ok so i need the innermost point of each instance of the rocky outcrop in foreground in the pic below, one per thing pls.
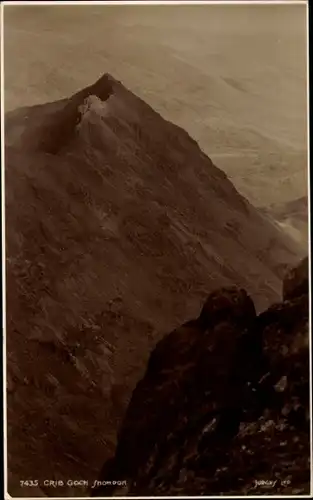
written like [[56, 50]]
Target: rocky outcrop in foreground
[[224, 403]]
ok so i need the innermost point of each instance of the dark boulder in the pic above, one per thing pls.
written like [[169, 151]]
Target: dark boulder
[[228, 304]]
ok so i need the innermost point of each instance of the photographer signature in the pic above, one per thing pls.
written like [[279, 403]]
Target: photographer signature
[[271, 483]]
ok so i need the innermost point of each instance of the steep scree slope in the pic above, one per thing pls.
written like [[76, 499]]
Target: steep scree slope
[[117, 227], [224, 403]]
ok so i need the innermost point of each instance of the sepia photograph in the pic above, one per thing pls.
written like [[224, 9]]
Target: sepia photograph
[[156, 249]]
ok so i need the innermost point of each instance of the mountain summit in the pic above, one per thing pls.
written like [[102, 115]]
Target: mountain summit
[[117, 228]]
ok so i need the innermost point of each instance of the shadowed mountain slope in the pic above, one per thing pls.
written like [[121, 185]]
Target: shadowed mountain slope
[[117, 228]]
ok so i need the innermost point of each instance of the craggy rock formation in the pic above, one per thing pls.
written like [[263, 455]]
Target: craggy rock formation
[[296, 281], [117, 228], [224, 403]]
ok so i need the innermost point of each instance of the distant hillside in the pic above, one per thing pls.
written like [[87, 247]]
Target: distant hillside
[[117, 228], [293, 218]]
